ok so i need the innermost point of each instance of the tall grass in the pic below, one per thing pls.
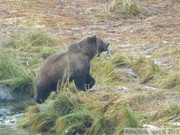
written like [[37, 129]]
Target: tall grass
[[106, 72], [77, 121], [80, 116], [15, 74], [31, 43], [107, 69], [20, 58]]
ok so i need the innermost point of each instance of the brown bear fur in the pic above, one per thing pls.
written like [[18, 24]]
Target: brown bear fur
[[71, 65]]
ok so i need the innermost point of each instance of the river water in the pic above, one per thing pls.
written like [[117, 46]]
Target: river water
[[9, 115], [12, 106], [12, 130]]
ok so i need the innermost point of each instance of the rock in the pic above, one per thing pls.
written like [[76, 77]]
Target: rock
[[159, 62], [178, 43], [125, 46], [4, 112], [176, 124], [152, 129], [131, 73], [10, 120], [165, 42], [108, 52], [151, 49], [5, 94], [121, 88], [17, 116], [150, 88]]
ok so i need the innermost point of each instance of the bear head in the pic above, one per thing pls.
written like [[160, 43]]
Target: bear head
[[102, 46], [90, 46]]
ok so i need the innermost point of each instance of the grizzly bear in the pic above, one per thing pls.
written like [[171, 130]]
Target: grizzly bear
[[72, 65]]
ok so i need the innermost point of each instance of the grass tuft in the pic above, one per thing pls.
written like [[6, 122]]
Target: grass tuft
[[106, 71], [127, 8], [146, 69], [121, 60], [77, 121], [66, 103], [171, 81], [10, 43], [132, 118], [39, 39], [170, 113]]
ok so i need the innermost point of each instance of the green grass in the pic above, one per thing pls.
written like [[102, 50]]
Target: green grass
[[121, 60], [31, 43], [14, 73], [106, 71], [78, 120], [21, 57], [39, 39], [63, 115]]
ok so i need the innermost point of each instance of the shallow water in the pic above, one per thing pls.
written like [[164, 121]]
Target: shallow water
[[7, 127], [12, 106], [12, 130]]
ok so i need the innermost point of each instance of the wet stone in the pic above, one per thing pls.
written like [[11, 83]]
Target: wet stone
[[151, 49], [10, 120], [131, 73], [125, 46], [4, 112], [4, 93], [178, 43]]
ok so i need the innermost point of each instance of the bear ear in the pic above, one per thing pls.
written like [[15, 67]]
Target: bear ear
[[92, 39]]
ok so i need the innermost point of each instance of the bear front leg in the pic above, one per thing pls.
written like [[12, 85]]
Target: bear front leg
[[41, 93], [89, 81], [40, 96], [80, 82]]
